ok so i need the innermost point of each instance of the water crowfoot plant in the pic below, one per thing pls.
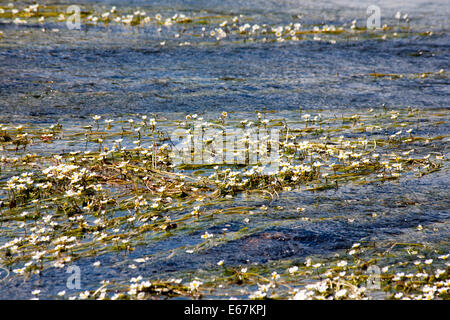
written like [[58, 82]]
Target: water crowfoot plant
[[63, 207]]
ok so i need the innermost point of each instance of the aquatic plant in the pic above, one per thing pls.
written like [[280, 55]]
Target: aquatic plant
[[117, 186]]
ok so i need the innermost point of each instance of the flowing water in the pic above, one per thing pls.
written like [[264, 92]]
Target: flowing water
[[51, 74]]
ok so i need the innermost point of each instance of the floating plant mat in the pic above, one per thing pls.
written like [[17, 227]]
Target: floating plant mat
[[229, 204], [192, 27]]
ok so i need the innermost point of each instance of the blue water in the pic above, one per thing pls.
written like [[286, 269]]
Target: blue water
[[114, 70]]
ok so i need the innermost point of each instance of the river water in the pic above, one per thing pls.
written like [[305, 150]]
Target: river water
[[115, 70]]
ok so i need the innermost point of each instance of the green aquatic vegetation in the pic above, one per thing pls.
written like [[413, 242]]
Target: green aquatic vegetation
[[215, 28], [423, 75], [120, 183], [395, 270]]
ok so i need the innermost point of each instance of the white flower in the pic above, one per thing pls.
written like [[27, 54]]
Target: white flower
[[342, 263], [301, 295], [84, 295], [341, 293], [258, 295], [207, 235], [439, 273], [293, 269], [194, 285]]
